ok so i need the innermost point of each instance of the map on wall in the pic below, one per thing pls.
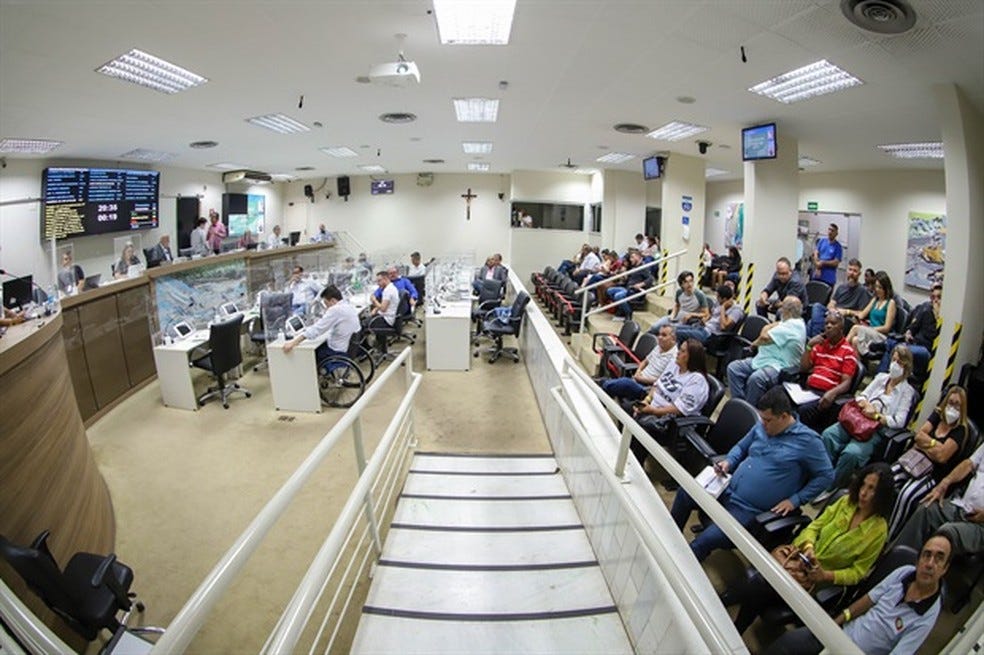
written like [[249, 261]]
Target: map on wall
[[193, 295], [925, 250]]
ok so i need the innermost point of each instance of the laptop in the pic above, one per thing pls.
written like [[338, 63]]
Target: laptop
[[92, 282]]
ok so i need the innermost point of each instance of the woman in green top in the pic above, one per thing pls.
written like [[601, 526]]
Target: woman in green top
[[841, 544], [880, 313]]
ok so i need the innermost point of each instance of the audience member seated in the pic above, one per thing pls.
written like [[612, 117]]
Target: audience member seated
[[897, 614], [869, 281], [127, 259], [246, 240], [778, 466], [938, 447], [827, 257], [322, 235], [848, 296], [726, 316], [590, 263], [489, 271], [402, 284], [961, 518], [568, 266], [650, 251], [304, 291], [610, 264], [657, 361], [784, 283], [920, 332], [635, 281], [887, 400], [780, 345], [340, 320], [680, 391], [384, 308], [416, 268], [730, 269], [840, 546], [879, 313], [690, 305], [71, 278], [831, 364]]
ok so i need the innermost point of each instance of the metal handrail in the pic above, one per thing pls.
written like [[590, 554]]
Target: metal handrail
[[655, 262], [37, 637], [812, 615], [192, 615]]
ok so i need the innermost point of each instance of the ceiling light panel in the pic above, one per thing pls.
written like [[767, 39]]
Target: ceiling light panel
[[152, 72], [144, 154], [278, 123], [816, 79], [676, 130], [339, 151], [476, 110], [28, 146], [477, 147], [372, 168], [714, 172], [914, 150], [471, 22], [479, 166], [227, 166], [808, 162], [615, 158]]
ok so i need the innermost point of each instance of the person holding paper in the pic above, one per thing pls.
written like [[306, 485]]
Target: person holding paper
[[831, 363]]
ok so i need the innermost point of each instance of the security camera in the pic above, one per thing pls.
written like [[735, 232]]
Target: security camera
[[502, 196], [702, 146]]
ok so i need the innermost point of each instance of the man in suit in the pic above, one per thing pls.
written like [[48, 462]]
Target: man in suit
[[162, 251], [492, 270]]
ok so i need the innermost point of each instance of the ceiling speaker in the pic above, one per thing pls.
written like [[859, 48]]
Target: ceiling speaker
[[880, 16]]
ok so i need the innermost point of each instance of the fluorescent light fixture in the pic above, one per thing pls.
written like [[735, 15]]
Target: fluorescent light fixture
[[479, 166], [148, 155], [476, 110], [477, 147], [816, 79], [808, 162], [28, 146], [676, 130], [339, 151], [713, 172], [278, 123], [228, 166], [372, 168], [615, 158], [466, 22], [914, 150], [147, 70], [584, 171]]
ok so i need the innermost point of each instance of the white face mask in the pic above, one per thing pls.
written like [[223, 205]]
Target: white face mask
[[895, 370], [952, 415]]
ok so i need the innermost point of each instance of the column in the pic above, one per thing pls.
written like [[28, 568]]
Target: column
[[684, 190]]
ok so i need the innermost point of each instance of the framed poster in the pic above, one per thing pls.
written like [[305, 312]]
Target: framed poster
[[925, 250]]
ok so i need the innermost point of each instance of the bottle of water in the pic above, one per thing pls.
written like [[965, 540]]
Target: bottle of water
[[51, 304], [280, 336]]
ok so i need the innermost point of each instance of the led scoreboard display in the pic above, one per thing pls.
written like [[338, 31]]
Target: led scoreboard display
[[84, 201]]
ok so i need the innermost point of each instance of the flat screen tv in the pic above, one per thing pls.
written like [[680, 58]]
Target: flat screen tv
[[758, 142], [378, 187], [78, 202], [652, 168]]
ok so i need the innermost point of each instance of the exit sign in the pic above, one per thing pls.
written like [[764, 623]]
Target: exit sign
[[812, 206]]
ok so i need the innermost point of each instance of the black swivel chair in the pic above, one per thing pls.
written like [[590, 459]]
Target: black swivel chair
[[150, 254], [497, 329], [274, 310], [490, 295], [88, 595], [224, 355], [704, 441], [817, 291], [385, 333]]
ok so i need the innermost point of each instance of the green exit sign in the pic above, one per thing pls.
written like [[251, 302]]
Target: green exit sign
[[812, 206]]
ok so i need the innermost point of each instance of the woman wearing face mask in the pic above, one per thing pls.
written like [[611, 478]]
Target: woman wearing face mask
[[887, 400], [941, 440]]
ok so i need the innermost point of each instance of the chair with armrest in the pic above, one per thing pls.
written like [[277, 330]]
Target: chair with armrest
[[705, 441], [738, 345], [625, 362], [386, 334], [150, 254], [88, 595], [224, 355], [605, 343], [274, 310], [897, 440], [496, 328], [817, 291], [490, 296]]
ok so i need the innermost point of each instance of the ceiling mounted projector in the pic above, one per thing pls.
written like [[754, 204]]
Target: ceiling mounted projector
[[396, 73], [254, 177]]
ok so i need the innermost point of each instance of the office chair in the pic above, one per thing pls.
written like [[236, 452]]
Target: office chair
[[274, 310], [224, 355], [623, 362], [150, 254], [88, 595], [385, 333], [607, 343], [817, 291], [497, 328], [490, 295]]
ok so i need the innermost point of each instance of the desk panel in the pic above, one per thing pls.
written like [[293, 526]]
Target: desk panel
[[104, 349], [77, 368], [135, 332]]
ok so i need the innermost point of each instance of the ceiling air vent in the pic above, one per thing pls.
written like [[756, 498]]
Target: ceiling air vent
[[398, 117], [880, 16], [630, 128]]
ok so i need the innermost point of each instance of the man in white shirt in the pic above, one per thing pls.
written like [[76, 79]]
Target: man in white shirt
[[659, 358], [273, 239], [304, 291], [340, 321], [416, 268], [384, 308], [590, 263]]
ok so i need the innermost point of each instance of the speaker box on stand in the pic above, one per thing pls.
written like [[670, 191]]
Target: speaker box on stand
[[344, 189]]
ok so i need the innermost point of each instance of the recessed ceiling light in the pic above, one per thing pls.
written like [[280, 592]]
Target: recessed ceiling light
[[676, 130], [397, 117], [28, 146], [816, 79], [147, 70], [278, 123], [227, 166], [144, 154], [433, 161], [807, 162], [479, 166], [203, 145], [476, 110], [474, 23], [712, 172], [477, 147], [615, 158], [628, 128], [372, 168], [339, 151], [932, 150]]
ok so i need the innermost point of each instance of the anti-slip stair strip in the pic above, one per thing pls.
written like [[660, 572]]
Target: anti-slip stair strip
[[437, 472], [488, 567], [481, 528], [518, 616], [520, 498], [427, 453]]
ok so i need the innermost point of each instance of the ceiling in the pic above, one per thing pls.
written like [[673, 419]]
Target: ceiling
[[574, 69]]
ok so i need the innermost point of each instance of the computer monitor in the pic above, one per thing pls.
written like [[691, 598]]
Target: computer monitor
[[92, 282], [228, 310], [293, 325], [182, 329], [18, 292], [295, 238]]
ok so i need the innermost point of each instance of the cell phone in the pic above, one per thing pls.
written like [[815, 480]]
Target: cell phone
[[807, 564]]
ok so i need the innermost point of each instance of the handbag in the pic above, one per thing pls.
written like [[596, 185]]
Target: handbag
[[915, 463], [855, 422]]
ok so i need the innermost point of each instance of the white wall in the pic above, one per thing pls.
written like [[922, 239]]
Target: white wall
[[624, 207]]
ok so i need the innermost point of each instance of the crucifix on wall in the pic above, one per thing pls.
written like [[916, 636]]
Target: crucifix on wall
[[468, 198]]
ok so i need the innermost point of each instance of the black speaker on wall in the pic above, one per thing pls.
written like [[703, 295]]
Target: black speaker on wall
[[309, 192], [344, 189]]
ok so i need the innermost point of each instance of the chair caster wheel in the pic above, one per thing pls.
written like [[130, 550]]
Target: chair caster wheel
[[249, 395], [225, 405], [140, 606]]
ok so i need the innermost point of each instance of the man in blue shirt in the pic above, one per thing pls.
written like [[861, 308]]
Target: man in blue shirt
[[827, 257], [778, 466]]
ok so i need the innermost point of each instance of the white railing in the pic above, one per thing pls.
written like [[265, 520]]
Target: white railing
[[29, 630], [348, 242], [192, 616], [812, 615]]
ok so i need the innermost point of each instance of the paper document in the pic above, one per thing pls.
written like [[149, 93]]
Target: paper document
[[713, 483], [798, 394]]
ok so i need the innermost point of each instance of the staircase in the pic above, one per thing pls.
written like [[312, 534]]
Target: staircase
[[487, 554]]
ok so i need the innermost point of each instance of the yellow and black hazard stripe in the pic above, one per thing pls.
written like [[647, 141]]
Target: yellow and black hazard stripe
[[664, 271], [951, 358], [746, 286], [929, 373]]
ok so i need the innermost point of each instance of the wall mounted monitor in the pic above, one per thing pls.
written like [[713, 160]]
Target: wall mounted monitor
[[652, 168], [378, 187], [243, 212], [758, 142], [79, 202]]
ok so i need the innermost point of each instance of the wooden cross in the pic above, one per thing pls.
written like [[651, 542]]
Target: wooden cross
[[468, 198]]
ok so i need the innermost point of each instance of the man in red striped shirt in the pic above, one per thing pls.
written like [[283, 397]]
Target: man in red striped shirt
[[831, 363]]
